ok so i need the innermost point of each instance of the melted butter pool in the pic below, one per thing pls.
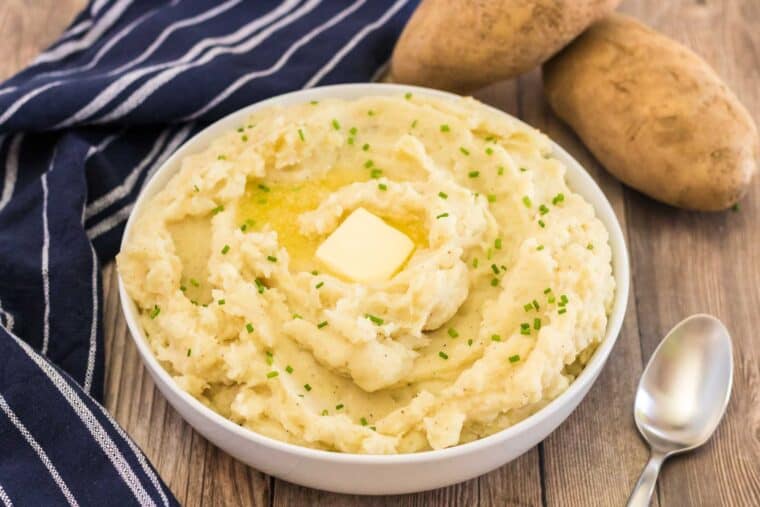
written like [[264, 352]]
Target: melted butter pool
[[278, 205]]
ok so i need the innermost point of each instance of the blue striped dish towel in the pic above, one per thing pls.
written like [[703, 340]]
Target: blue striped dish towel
[[81, 130]]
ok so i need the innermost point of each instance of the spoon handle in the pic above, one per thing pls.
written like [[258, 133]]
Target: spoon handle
[[642, 491]]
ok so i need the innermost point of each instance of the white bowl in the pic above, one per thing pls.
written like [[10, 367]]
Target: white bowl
[[379, 474]]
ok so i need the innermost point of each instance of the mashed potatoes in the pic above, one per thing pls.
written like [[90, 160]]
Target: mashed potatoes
[[502, 301]]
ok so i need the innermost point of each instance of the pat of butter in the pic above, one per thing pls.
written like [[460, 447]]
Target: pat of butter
[[364, 248]]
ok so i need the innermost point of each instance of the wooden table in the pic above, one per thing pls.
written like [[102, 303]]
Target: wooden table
[[682, 263]]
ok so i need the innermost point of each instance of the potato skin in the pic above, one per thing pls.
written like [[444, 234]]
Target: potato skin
[[462, 45], [655, 115]]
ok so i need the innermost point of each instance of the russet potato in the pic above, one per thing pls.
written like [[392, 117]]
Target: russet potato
[[461, 45], [655, 114]]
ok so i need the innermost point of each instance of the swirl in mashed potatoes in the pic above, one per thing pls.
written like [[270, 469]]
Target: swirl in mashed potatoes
[[497, 309]]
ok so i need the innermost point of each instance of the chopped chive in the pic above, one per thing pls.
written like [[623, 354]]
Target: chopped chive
[[735, 208], [525, 325], [322, 324], [225, 249], [263, 187], [550, 299], [525, 331], [464, 150], [523, 169], [314, 102], [514, 359], [324, 412], [489, 151], [500, 170], [307, 387], [494, 282], [244, 227], [335, 124], [469, 342], [155, 311], [442, 215], [535, 304], [547, 290], [240, 129], [375, 319], [590, 246], [352, 131], [315, 272], [408, 95], [564, 299], [195, 187], [495, 268], [363, 421], [497, 243], [526, 201], [489, 253], [319, 285], [221, 302], [445, 128], [540, 247], [382, 186], [453, 332], [541, 223], [368, 164], [561, 311], [473, 174], [271, 258], [289, 369], [300, 134], [491, 198], [189, 351], [558, 198], [371, 113], [350, 140], [527, 307], [339, 406], [375, 173], [536, 324], [443, 195], [475, 262], [414, 123], [182, 288], [543, 209], [244, 138], [250, 126], [272, 374], [249, 327], [365, 147], [194, 282], [495, 337], [260, 286], [218, 209], [297, 316], [443, 355]]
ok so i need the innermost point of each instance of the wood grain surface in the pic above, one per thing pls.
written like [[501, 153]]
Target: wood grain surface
[[683, 263]]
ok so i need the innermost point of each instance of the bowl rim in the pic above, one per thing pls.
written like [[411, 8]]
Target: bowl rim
[[602, 208]]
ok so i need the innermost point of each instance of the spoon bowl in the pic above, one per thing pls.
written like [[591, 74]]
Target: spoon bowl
[[682, 394]]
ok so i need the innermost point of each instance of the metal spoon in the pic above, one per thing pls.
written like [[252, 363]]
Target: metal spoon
[[682, 394]]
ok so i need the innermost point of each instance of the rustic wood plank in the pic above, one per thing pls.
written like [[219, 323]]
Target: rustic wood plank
[[28, 27], [698, 262]]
